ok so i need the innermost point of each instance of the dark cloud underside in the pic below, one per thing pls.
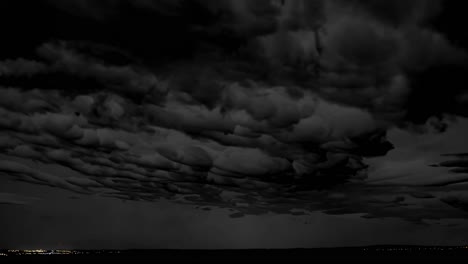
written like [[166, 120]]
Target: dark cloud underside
[[258, 105]]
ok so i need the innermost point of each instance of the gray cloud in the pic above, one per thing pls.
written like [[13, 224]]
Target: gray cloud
[[21, 67], [220, 132], [457, 200], [121, 78], [15, 199], [458, 165], [198, 152], [254, 174]]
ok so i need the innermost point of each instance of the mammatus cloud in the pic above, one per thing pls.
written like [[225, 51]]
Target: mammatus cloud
[[285, 122]]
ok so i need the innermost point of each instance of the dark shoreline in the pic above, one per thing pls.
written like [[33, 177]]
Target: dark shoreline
[[380, 253]]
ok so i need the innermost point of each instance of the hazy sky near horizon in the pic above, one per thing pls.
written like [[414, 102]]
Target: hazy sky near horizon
[[233, 123]]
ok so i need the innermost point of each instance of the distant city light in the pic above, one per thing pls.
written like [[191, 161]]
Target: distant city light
[[370, 249]]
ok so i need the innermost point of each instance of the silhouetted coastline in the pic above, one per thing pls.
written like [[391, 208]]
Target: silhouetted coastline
[[381, 253]]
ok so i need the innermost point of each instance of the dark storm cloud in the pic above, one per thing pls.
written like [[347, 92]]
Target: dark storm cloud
[[458, 164], [15, 199], [121, 78], [255, 105], [398, 12], [142, 158], [458, 200], [369, 61], [21, 67]]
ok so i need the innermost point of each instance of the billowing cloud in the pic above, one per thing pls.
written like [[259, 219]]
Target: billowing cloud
[[285, 115], [21, 67]]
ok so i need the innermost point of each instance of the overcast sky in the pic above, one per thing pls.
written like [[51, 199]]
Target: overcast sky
[[232, 123]]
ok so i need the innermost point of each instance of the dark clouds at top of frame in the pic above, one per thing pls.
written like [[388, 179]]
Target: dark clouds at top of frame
[[162, 33]]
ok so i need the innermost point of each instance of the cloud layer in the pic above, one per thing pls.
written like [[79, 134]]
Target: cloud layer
[[283, 118]]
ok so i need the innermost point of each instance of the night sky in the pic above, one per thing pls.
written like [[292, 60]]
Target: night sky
[[233, 123]]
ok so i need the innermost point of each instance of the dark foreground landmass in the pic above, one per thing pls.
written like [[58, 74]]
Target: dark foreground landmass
[[378, 253]]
